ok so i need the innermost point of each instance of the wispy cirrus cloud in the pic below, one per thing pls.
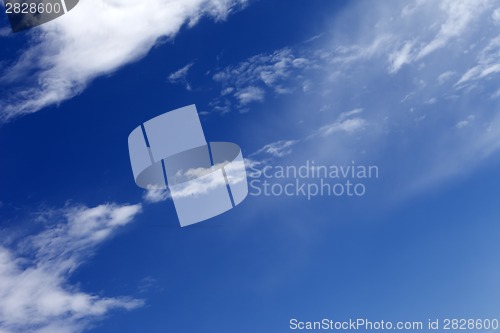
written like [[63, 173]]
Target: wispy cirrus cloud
[[442, 78], [283, 71], [459, 15], [488, 63], [426, 72], [249, 80], [347, 126], [400, 57], [35, 293], [180, 76], [347, 123], [66, 54], [277, 149]]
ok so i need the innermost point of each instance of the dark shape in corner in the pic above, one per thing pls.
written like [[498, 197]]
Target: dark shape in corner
[[25, 15]]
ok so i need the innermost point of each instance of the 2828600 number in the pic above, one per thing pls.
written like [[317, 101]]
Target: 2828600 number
[[32, 8], [470, 324]]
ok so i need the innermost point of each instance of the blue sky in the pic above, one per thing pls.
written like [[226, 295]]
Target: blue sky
[[412, 88]]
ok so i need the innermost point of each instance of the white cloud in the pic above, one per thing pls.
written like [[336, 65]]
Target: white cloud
[[360, 64], [454, 20], [277, 149], [442, 78], [345, 123], [263, 68], [412, 7], [461, 38], [180, 76], [496, 94], [248, 81], [307, 86], [488, 63], [250, 94], [35, 292], [399, 40], [466, 122], [96, 38], [407, 97], [398, 58], [195, 181], [348, 126], [198, 186], [156, 194], [351, 68], [430, 101], [459, 15], [496, 15], [198, 181], [282, 91], [358, 52], [227, 91], [347, 114]]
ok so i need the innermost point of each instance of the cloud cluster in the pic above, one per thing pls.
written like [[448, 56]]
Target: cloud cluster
[[425, 73], [35, 295], [394, 40], [488, 63], [249, 80], [96, 38]]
